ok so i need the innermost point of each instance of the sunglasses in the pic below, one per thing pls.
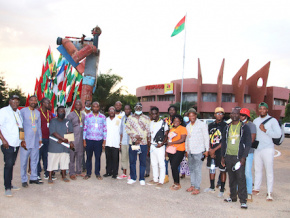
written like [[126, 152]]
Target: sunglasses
[[243, 115], [219, 113]]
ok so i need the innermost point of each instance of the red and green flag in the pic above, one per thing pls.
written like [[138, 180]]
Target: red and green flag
[[179, 27]]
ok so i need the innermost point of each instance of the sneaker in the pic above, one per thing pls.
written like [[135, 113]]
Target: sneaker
[[24, 185], [53, 178], [221, 194], [15, 188], [8, 193], [159, 185], [250, 198], [269, 197], [123, 176], [210, 190], [229, 200], [142, 182], [166, 180], [131, 181], [152, 183], [244, 206], [255, 192], [39, 178], [46, 177]]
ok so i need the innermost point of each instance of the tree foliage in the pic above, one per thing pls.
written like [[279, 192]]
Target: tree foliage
[[3, 92], [287, 113], [17, 91], [185, 106]]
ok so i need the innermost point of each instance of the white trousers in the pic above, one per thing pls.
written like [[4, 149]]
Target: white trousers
[[157, 156], [264, 157]]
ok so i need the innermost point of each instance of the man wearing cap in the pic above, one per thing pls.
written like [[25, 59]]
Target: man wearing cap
[[215, 130], [245, 118], [236, 143], [138, 129], [264, 154], [33, 140], [10, 123]]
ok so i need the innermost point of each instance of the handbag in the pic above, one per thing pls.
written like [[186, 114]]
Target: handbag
[[255, 144], [171, 149], [159, 137]]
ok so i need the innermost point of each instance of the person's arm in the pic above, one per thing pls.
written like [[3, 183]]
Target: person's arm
[[4, 142], [205, 136], [39, 129], [248, 142], [23, 143], [85, 130], [223, 146], [253, 137], [274, 131], [180, 141], [104, 132]]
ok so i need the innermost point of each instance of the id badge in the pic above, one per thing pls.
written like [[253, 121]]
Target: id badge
[[81, 124], [96, 125], [47, 125], [233, 141], [33, 126]]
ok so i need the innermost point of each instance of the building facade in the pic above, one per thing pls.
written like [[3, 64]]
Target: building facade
[[242, 92]]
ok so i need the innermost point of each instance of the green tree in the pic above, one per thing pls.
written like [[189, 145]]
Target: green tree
[[3, 92], [287, 113], [106, 93], [129, 99], [18, 92], [253, 115], [185, 106]]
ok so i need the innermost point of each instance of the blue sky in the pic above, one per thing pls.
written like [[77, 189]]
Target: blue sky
[[136, 42]]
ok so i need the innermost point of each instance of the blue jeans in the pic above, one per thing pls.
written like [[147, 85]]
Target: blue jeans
[[195, 166], [96, 148], [248, 172], [43, 155], [133, 159], [166, 167]]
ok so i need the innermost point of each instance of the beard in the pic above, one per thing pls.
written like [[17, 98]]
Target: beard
[[118, 110]]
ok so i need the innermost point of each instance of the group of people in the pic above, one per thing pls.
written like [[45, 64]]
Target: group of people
[[61, 143]]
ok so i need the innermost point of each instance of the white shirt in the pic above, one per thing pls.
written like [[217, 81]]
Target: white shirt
[[154, 128], [9, 127], [113, 132], [197, 139], [120, 115]]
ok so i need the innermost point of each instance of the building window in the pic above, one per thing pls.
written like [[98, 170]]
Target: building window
[[247, 99], [148, 98], [226, 97], [280, 102], [190, 97], [209, 97], [165, 98]]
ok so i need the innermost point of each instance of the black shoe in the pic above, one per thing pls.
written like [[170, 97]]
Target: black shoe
[[35, 182], [230, 200], [114, 177], [24, 184], [146, 175], [107, 175]]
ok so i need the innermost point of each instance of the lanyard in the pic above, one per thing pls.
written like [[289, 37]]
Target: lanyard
[[233, 134], [191, 127], [96, 117], [47, 118], [80, 117], [16, 119], [32, 117]]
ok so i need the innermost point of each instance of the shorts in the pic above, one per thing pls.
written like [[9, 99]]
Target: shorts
[[217, 161], [57, 161]]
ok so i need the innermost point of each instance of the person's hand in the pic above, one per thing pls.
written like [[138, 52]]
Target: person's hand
[[40, 142], [120, 146], [138, 137], [23, 145], [72, 146], [85, 143], [206, 153], [212, 156], [169, 143], [5, 144], [65, 140], [211, 152], [159, 145], [103, 145], [262, 127], [138, 142], [186, 154], [223, 162], [243, 161]]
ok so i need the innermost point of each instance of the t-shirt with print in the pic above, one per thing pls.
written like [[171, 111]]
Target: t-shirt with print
[[175, 134], [215, 131], [233, 139]]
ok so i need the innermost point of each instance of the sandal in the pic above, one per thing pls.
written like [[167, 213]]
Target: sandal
[[73, 177], [99, 177], [195, 192], [175, 187], [87, 177], [50, 181], [65, 179], [190, 189]]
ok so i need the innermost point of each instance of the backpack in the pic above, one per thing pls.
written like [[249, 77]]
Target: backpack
[[277, 141], [159, 137]]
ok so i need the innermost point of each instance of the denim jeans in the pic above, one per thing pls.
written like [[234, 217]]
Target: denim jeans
[[133, 159], [248, 171], [95, 147], [10, 156], [43, 152], [195, 165]]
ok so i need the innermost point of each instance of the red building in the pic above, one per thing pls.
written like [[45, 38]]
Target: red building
[[242, 92]]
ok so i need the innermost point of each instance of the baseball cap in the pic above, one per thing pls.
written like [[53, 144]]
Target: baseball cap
[[263, 104], [138, 104], [219, 109], [12, 97]]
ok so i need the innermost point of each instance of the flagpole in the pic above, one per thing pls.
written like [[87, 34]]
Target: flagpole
[[181, 98]]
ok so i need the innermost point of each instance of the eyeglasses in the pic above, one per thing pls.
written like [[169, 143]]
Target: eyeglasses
[[243, 115], [219, 113]]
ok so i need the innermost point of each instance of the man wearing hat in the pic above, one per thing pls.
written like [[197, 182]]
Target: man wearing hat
[[138, 129], [215, 130], [264, 154], [10, 123], [245, 118]]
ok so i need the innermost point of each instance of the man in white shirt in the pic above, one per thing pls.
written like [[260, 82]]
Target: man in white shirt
[[118, 110], [157, 147], [264, 154], [10, 123], [112, 144]]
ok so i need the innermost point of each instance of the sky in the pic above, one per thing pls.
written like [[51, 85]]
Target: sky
[[135, 42]]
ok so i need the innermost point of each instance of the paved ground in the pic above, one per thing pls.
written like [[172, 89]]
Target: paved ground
[[112, 198]]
